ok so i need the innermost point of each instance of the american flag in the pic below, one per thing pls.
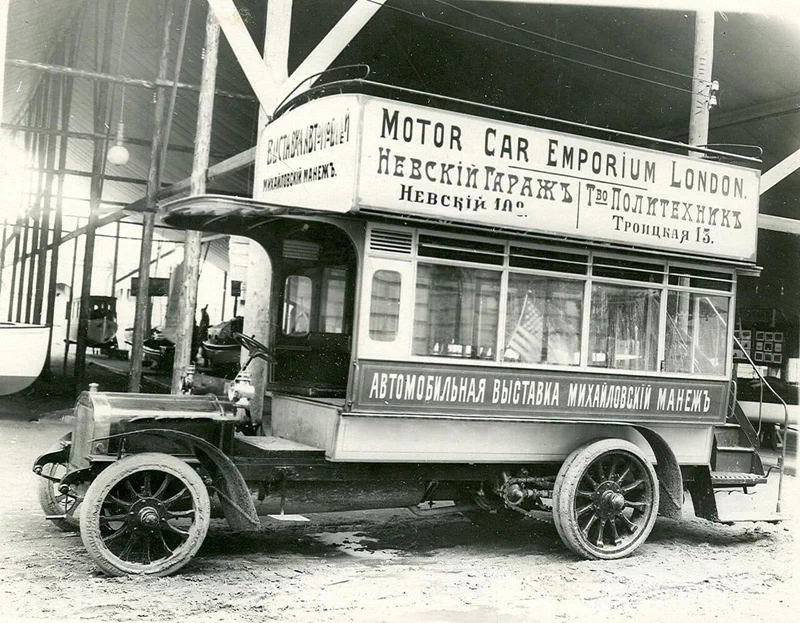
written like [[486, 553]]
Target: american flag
[[527, 337]]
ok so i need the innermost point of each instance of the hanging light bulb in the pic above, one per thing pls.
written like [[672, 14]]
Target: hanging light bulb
[[118, 154]]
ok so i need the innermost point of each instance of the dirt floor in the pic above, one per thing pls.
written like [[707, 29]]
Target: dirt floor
[[391, 566]]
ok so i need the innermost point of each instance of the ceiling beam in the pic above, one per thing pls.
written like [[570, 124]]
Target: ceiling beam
[[780, 171], [131, 82], [779, 223], [254, 67], [329, 48], [319, 59], [773, 7], [244, 49], [90, 136], [748, 114]]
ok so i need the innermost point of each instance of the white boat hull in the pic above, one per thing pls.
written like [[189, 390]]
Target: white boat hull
[[771, 413], [23, 348]]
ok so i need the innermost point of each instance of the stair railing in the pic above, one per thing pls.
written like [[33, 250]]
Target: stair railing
[[770, 388], [764, 383]]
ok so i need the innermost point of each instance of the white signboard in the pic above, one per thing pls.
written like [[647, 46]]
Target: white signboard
[[307, 158], [405, 159]]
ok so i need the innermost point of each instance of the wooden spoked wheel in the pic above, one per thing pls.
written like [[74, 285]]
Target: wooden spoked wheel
[[605, 499], [145, 514], [54, 503]]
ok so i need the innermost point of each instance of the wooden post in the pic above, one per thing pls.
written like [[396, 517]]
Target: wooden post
[[14, 274], [23, 256], [22, 262], [51, 142], [224, 293], [95, 196], [141, 319], [192, 241], [3, 255], [36, 212], [3, 37], [115, 266], [173, 92], [67, 84], [701, 80], [70, 300], [259, 272]]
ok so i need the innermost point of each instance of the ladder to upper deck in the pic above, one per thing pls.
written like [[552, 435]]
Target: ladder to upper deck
[[735, 460]]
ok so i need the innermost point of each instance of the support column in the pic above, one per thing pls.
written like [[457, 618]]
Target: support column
[[39, 141], [70, 299], [141, 318], [3, 256], [701, 80], [192, 241], [51, 143], [30, 148], [95, 197], [3, 38], [67, 84], [14, 274], [259, 271]]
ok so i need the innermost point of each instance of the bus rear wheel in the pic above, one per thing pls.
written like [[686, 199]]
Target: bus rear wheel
[[605, 499]]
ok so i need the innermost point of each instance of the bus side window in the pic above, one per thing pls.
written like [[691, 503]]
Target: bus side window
[[297, 295], [384, 310]]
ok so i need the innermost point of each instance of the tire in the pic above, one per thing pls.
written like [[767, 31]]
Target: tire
[[52, 501], [146, 514], [605, 499]]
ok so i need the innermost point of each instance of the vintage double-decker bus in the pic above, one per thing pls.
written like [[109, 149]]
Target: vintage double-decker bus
[[464, 307]]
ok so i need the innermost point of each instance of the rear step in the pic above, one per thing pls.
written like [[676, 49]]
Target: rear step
[[737, 459], [736, 479], [751, 517]]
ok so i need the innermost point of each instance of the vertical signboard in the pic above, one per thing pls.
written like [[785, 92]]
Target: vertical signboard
[[307, 157]]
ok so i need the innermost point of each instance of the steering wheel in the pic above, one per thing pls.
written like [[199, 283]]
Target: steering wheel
[[256, 349]]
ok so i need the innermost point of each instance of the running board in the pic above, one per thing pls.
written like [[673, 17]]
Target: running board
[[751, 517], [448, 509], [736, 479], [289, 518]]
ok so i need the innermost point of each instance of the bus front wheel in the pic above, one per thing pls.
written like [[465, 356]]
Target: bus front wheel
[[605, 499]]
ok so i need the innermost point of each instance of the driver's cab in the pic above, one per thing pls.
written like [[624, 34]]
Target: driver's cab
[[313, 294]]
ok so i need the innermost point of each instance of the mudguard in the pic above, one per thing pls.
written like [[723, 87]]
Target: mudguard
[[54, 457], [234, 495], [669, 474]]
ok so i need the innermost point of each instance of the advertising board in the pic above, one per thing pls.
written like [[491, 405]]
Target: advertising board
[[356, 152]]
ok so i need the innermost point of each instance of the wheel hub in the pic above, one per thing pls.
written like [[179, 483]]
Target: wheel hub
[[148, 518], [146, 514], [609, 500]]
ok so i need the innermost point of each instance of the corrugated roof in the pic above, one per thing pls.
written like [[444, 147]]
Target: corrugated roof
[[511, 55]]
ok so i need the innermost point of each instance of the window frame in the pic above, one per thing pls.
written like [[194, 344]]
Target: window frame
[[407, 264]]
